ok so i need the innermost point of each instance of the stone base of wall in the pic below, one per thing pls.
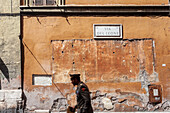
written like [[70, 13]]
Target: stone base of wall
[[11, 101], [120, 102], [46, 111], [108, 103]]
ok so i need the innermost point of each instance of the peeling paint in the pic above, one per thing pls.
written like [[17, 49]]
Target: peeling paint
[[102, 66], [94, 59], [143, 77], [41, 98]]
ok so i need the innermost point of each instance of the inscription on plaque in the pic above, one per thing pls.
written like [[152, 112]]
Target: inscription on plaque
[[107, 31]]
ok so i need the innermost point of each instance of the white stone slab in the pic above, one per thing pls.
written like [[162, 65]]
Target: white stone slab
[[107, 103], [2, 105], [163, 65], [2, 95], [13, 94], [107, 31], [43, 80]]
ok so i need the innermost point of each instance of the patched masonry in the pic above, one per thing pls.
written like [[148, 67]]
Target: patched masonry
[[105, 61], [116, 102]]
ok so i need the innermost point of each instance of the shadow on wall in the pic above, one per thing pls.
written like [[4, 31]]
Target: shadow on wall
[[4, 69]]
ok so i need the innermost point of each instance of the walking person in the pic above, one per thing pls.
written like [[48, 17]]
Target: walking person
[[83, 95]]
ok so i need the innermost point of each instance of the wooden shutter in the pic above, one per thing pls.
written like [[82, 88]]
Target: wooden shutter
[[38, 2], [50, 2]]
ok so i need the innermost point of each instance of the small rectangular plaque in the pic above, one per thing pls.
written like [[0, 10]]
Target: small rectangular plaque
[[155, 93], [42, 80], [107, 31]]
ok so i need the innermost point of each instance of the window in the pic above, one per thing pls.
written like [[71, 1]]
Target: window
[[50, 2], [44, 2], [38, 2]]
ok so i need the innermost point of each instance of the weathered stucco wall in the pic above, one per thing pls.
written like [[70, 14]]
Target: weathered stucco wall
[[116, 2], [11, 6], [10, 52], [40, 31], [113, 2], [103, 60], [10, 62], [10, 71]]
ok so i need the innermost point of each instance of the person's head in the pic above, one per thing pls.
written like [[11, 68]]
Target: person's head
[[75, 79]]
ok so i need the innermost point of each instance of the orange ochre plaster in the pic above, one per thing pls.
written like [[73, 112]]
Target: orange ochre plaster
[[39, 31], [116, 2]]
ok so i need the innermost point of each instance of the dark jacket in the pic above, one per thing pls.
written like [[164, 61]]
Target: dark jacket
[[83, 99]]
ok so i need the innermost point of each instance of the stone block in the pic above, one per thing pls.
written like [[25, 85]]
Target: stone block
[[41, 111], [107, 103], [9, 7], [2, 96], [166, 106], [15, 7], [15, 83], [13, 110], [11, 103], [27, 111], [124, 108], [10, 55], [2, 106], [13, 94], [95, 105], [101, 107]]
